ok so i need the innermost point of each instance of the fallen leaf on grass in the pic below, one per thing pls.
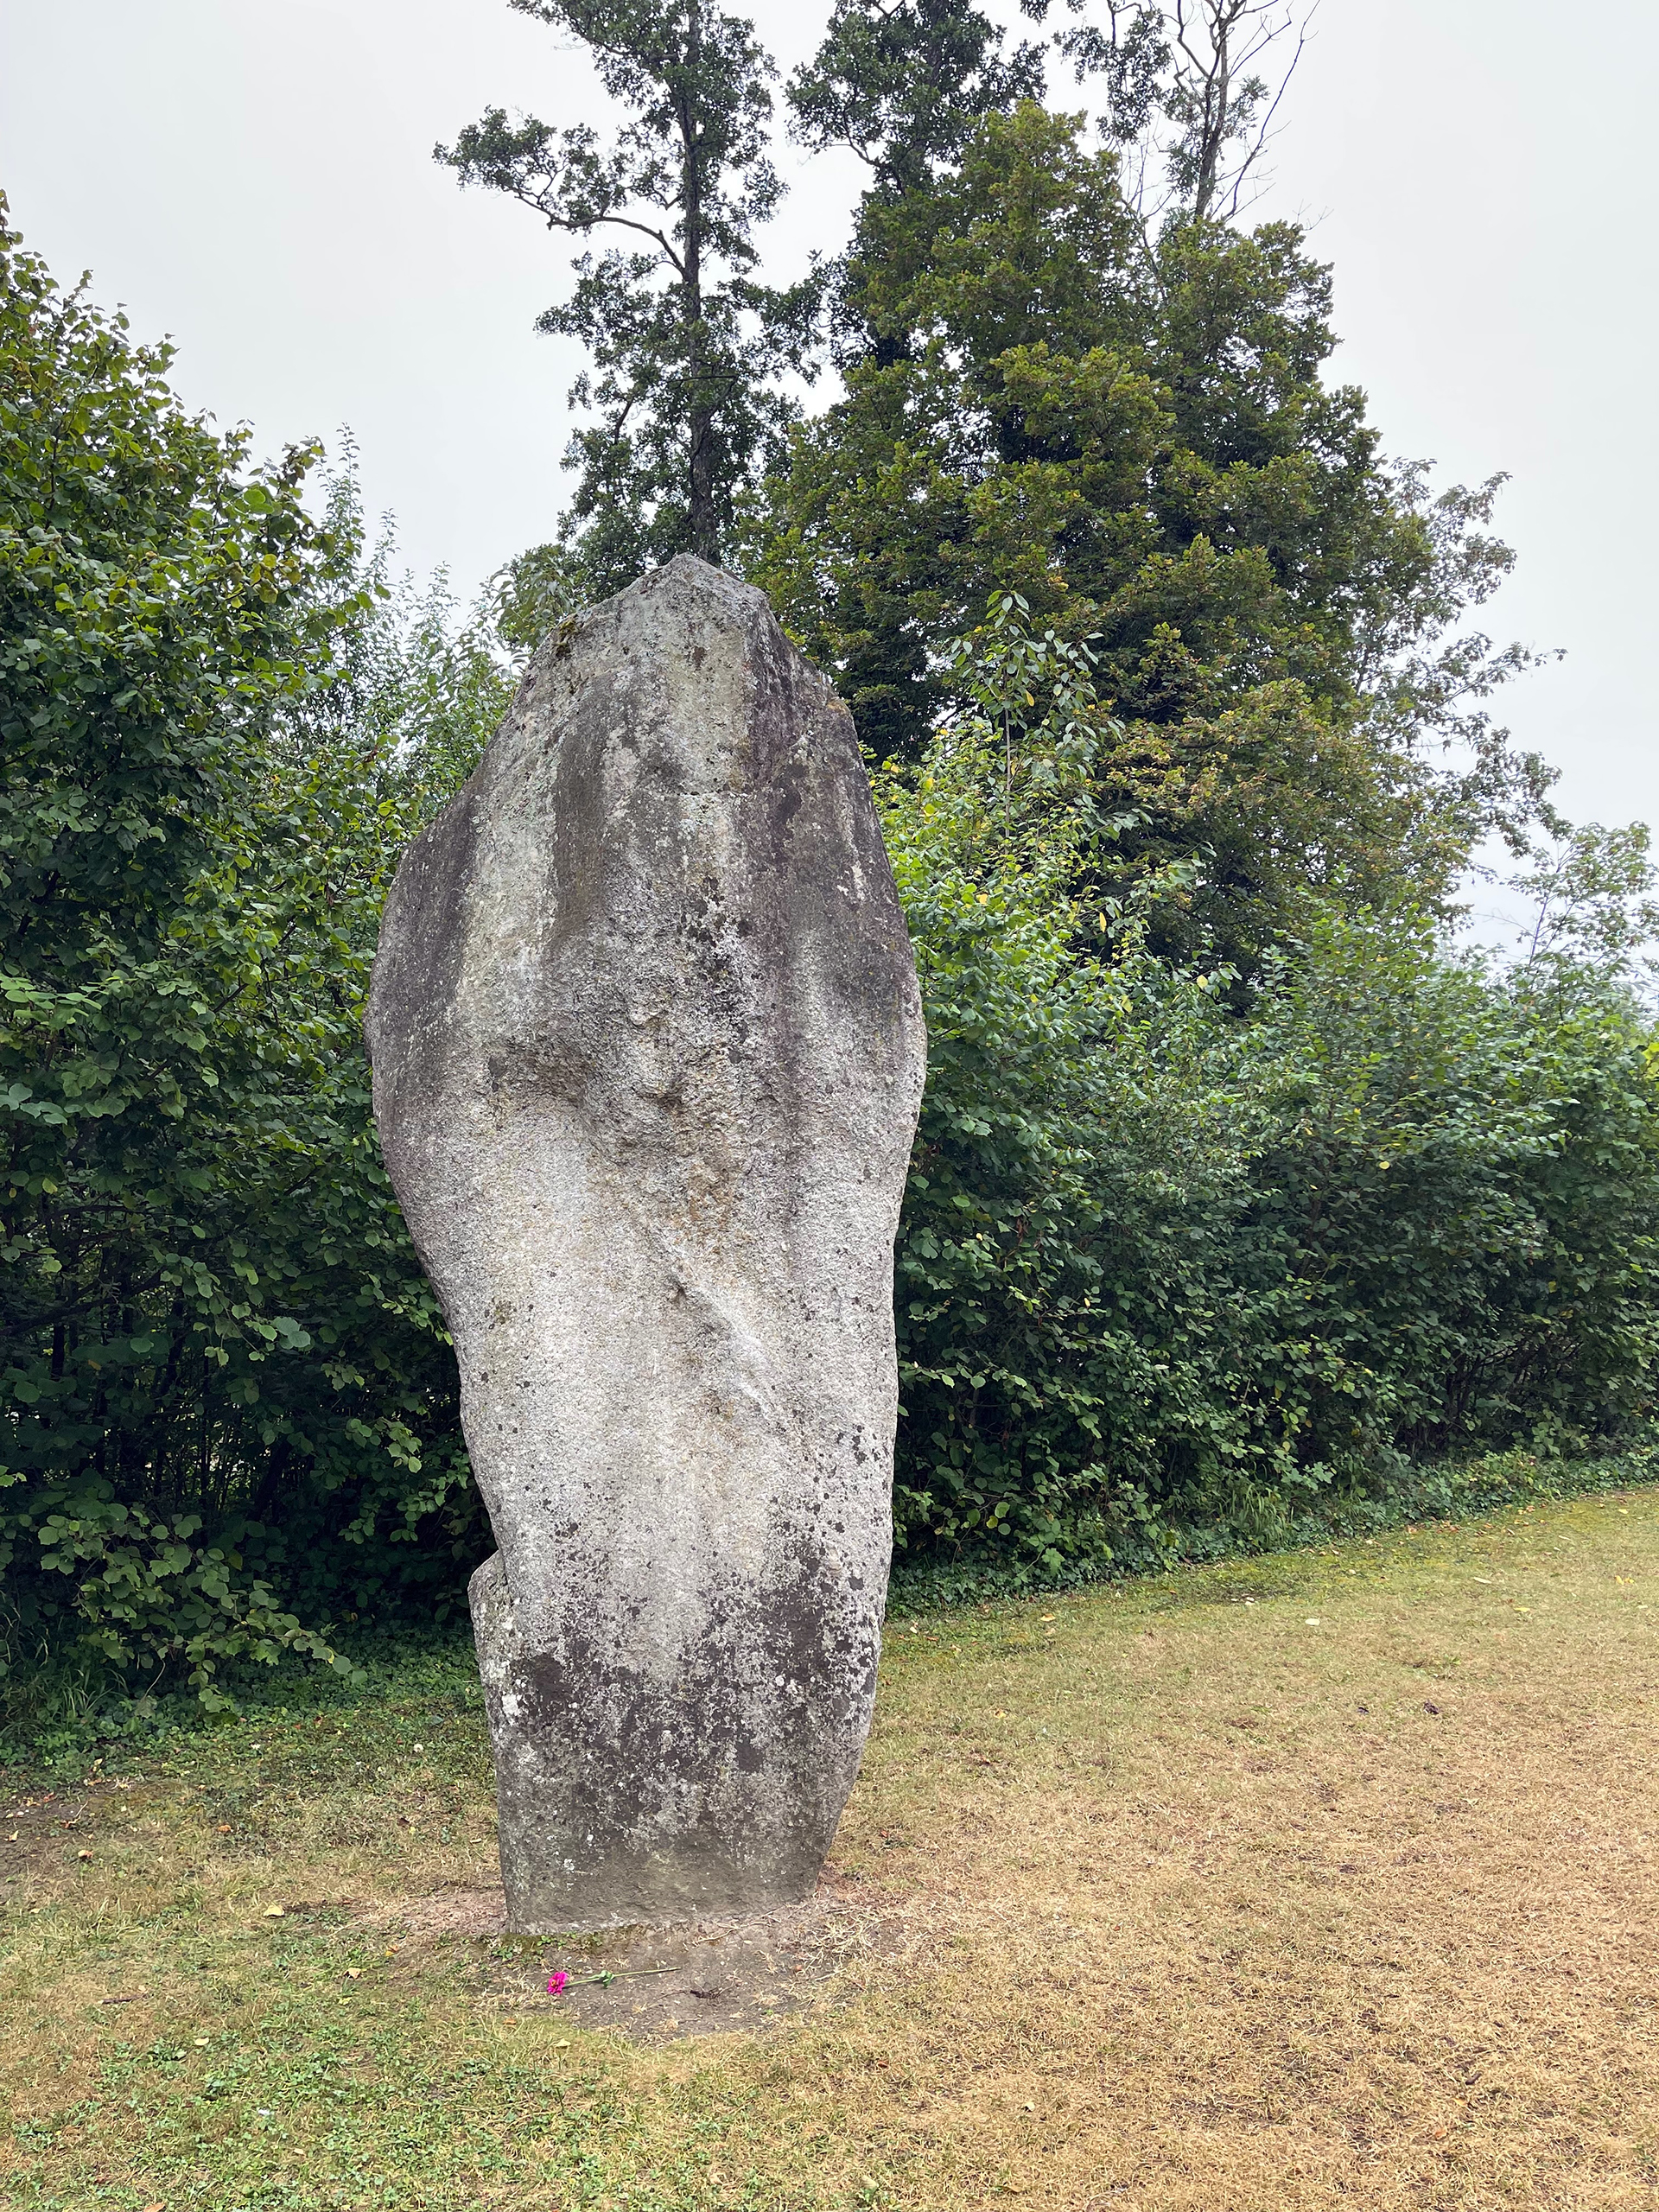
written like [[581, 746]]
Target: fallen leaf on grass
[[275, 1912]]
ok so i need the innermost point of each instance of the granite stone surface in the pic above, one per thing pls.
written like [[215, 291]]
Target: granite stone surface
[[648, 1054]]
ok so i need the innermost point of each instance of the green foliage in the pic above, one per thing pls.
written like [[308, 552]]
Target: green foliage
[[1596, 904], [1442, 1491], [903, 83], [1163, 1268], [224, 1373], [1185, 95], [532, 595], [1132, 433], [686, 344]]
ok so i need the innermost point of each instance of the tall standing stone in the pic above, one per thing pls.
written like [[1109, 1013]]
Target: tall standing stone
[[648, 1055]]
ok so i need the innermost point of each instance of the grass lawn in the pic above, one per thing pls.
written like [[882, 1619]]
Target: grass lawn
[[1316, 1880]]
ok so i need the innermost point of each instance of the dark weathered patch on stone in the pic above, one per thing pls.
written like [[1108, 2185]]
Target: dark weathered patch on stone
[[647, 1058]]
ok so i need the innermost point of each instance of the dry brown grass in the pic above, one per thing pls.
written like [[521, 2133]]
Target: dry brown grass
[[1277, 1912], [1326, 1879]]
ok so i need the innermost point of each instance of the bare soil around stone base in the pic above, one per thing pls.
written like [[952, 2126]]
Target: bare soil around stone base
[[655, 1985], [1327, 1879]]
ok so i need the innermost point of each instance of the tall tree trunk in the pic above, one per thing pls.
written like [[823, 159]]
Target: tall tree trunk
[[1217, 94], [700, 426]]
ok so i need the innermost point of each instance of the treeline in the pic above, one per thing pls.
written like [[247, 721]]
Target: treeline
[[1189, 1256], [1236, 1190]]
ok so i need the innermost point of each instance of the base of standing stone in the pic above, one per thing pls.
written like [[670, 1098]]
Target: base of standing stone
[[572, 1858]]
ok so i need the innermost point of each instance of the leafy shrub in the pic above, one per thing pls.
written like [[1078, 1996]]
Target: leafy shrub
[[222, 1373], [1165, 1265]]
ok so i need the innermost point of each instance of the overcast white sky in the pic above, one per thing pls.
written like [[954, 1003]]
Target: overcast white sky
[[254, 176]]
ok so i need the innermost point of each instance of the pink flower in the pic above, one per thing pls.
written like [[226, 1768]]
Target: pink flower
[[556, 1984]]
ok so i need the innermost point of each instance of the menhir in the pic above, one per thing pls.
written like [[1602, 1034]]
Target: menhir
[[648, 1055]]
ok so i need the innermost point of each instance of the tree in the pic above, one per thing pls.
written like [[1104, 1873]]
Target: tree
[[686, 345], [903, 83], [226, 1400], [1131, 431], [1596, 902], [1185, 99]]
